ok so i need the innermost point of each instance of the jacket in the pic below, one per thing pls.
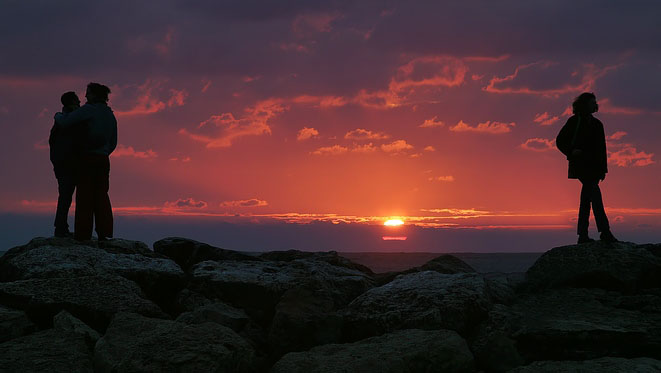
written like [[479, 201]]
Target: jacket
[[99, 136], [589, 137]]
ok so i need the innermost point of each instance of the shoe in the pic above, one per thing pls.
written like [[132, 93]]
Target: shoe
[[584, 239], [63, 233], [607, 236]]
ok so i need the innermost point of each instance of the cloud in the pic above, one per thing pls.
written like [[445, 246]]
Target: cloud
[[627, 155], [430, 71], [331, 150], [206, 84], [548, 78], [314, 22], [396, 146], [429, 149], [485, 127], [368, 148], [220, 131], [448, 178], [617, 135], [362, 134], [186, 203], [320, 101], [306, 133], [538, 145], [128, 151], [150, 98], [605, 106], [545, 119], [253, 202], [433, 122]]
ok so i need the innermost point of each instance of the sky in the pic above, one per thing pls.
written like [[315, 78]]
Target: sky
[[253, 124]]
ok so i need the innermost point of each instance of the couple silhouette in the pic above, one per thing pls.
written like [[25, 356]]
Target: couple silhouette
[[81, 141]]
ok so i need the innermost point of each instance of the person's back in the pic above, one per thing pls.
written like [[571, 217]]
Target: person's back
[[100, 132]]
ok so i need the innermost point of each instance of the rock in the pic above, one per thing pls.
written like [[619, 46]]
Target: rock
[[578, 324], [134, 343], [217, 312], [66, 322], [188, 252], [621, 266], [446, 263], [397, 352], [422, 300], [93, 299], [304, 317], [330, 257], [492, 347], [257, 286], [602, 365], [14, 324], [46, 351], [160, 278]]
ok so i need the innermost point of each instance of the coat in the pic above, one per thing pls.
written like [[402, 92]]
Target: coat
[[592, 163], [100, 135]]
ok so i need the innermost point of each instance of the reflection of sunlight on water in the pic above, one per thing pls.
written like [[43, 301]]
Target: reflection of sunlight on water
[[394, 238]]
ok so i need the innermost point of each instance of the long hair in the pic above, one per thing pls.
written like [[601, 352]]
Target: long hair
[[580, 104]]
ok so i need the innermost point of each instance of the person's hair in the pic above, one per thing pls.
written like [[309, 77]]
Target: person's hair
[[580, 104], [69, 98], [100, 91]]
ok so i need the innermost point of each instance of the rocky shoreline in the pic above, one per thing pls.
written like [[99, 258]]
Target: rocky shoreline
[[120, 306]]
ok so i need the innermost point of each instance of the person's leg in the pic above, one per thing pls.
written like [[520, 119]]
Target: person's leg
[[584, 209], [84, 202], [66, 184], [102, 208]]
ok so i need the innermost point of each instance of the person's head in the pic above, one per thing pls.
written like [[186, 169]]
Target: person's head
[[97, 93], [585, 103], [70, 100]]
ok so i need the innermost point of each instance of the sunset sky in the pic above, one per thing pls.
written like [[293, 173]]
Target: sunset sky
[[337, 114]]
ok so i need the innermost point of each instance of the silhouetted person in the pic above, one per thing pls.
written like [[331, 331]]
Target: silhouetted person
[[64, 153], [98, 127], [583, 141]]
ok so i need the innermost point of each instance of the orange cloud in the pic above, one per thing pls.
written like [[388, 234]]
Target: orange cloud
[[306, 133], [433, 122], [128, 151], [149, 100], [396, 146], [186, 203], [430, 71], [254, 123], [538, 145], [545, 119], [429, 149], [617, 135], [363, 134], [253, 202], [331, 150], [368, 148], [628, 156], [448, 178], [485, 127]]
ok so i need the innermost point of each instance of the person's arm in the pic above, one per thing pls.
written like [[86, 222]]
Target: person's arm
[[113, 137], [66, 120], [602, 151], [564, 138]]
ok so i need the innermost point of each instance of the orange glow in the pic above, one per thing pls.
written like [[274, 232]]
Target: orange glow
[[394, 238], [393, 222]]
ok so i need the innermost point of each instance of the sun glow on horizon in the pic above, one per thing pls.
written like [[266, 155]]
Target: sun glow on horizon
[[393, 222]]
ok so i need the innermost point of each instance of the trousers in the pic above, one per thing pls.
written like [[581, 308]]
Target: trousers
[[591, 199], [92, 201], [65, 173]]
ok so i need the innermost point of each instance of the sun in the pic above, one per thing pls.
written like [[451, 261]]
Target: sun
[[393, 222]]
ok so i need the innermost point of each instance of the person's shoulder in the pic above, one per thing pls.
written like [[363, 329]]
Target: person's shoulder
[[597, 121]]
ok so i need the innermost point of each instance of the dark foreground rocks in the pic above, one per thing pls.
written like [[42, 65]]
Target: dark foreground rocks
[[118, 306]]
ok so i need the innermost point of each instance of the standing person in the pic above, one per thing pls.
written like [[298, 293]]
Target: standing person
[[99, 135], [583, 141], [64, 151]]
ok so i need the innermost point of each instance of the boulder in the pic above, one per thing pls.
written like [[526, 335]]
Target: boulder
[[304, 317], [446, 263], [579, 324], [134, 343], [216, 312], [602, 365], [257, 286], [621, 266], [330, 257], [50, 350], [187, 252], [397, 352], [93, 299], [14, 324], [66, 322], [421, 300]]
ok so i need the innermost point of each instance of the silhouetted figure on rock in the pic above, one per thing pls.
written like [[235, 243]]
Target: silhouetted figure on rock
[[64, 153], [583, 141], [98, 128]]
